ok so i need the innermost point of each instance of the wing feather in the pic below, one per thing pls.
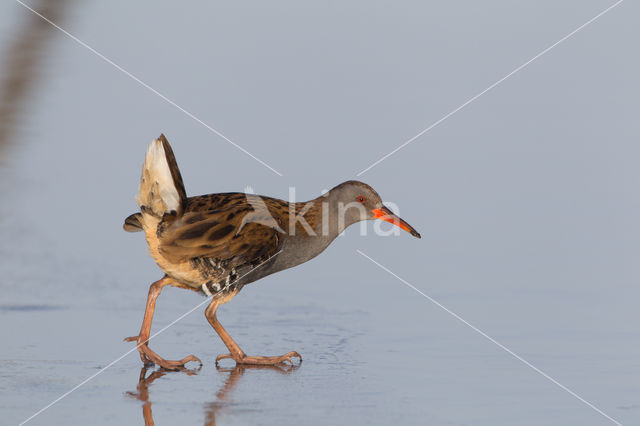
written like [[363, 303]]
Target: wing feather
[[241, 233]]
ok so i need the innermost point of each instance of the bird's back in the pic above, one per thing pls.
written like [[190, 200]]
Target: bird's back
[[212, 239]]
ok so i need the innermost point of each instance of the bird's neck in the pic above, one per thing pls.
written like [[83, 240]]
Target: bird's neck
[[327, 217], [317, 223]]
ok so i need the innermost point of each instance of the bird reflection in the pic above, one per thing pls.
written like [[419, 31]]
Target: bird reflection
[[232, 380], [142, 390], [215, 406]]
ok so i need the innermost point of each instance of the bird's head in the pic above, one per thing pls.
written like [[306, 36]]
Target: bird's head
[[358, 201]]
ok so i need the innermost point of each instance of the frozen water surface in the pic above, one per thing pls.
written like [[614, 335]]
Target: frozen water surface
[[527, 201]]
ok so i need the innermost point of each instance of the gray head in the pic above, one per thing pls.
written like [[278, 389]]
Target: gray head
[[357, 201]]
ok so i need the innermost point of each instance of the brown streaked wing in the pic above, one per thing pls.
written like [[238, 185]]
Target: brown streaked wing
[[220, 234], [203, 203]]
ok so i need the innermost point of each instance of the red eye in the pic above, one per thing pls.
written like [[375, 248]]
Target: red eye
[[361, 199]]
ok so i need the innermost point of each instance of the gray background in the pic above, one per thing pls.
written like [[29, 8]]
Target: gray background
[[527, 202]]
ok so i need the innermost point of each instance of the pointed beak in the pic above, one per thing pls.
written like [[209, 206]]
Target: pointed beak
[[387, 215]]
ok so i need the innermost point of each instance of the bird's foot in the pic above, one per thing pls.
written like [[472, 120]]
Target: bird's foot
[[143, 357], [262, 360], [149, 357]]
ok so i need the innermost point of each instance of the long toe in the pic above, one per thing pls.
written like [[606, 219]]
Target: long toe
[[290, 355], [146, 360], [224, 356], [191, 358], [177, 365], [146, 352], [287, 358], [270, 360]]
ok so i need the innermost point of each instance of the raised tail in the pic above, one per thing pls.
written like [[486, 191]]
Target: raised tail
[[161, 189]]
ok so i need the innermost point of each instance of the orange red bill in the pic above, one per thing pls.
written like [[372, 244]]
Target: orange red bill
[[387, 215]]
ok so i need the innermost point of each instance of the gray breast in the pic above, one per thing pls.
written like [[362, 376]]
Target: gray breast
[[294, 251], [299, 249]]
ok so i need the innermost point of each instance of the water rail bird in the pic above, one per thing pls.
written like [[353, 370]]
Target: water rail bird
[[216, 244]]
